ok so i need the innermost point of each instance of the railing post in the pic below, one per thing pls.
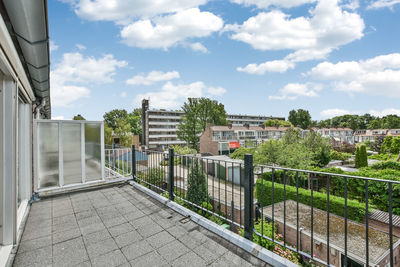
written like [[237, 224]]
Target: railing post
[[133, 159], [171, 174], [248, 196]]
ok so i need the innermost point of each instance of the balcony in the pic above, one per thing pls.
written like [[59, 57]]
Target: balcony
[[117, 226]]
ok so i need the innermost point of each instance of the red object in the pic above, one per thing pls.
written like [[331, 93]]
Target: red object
[[234, 144]]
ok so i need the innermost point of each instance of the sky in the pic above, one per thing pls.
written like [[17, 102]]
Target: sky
[[257, 57]]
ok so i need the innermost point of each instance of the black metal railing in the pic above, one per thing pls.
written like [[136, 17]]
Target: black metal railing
[[312, 215]]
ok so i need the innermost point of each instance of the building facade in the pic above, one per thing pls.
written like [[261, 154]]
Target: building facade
[[337, 134], [221, 140], [159, 126], [24, 95]]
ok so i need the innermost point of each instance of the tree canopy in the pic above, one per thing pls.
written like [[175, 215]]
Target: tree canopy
[[277, 123], [78, 117], [198, 112], [300, 118]]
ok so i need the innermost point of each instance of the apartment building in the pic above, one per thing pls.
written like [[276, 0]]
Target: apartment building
[[369, 135], [221, 140], [337, 134], [24, 94], [159, 126]]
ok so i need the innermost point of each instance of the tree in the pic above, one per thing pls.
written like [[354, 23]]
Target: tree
[[111, 117], [123, 131], [197, 184], [277, 123], [300, 118], [78, 118], [198, 112], [361, 159], [320, 147], [108, 139]]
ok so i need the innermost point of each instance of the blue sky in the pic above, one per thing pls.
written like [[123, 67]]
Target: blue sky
[[255, 56]]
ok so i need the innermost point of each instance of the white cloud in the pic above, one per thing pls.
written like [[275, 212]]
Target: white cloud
[[333, 112], [123, 12], [199, 47], [329, 113], [53, 46], [172, 96], [293, 90], [375, 76], [385, 112], [69, 77], [310, 37], [166, 31], [123, 95], [276, 3], [80, 47], [58, 118], [383, 3], [153, 77], [269, 66]]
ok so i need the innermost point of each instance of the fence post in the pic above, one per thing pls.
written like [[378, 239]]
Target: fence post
[[171, 174], [248, 196], [133, 159]]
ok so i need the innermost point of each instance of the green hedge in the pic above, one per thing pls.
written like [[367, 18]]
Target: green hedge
[[394, 165], [355, 209]]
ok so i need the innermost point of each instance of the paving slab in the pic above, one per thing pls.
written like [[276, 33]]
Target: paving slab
[[119, 226]]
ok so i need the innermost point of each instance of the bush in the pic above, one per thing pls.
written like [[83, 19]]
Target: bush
[[345, 147], [386, 165], [355, 209], [197, 185], [154, 176], [391, 144], [379, 157], [335, 155], [361, 156], [239, 153]]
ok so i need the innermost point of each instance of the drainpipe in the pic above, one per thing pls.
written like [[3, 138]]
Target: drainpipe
[[40, 106]]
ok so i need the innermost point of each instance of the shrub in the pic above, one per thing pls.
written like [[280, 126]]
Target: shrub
[[239, 153], [389, 164], [361, 156], [391, 144], [340, 155], [154, 176], [197, 185], [345, 147], [379, 157], [355, 209]]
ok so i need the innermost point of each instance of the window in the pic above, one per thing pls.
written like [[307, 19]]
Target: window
[[350, 262]]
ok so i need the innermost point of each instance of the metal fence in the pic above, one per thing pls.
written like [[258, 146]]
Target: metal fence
[[316, 216], [118, 162]]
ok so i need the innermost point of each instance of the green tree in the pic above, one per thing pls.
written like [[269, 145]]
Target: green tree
[[112, 116], [240, 152], [198, 112], [78, 117], [197, 185], [268, 152], [361, 159], [108, 138], [277, 123], [123, 131], [135, 120], [320, 147], [300, 118]]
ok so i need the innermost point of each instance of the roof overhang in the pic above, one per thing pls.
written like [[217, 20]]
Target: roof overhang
[[29, 29]]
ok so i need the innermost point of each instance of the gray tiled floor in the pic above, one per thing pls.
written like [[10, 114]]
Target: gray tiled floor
[[114, 227]]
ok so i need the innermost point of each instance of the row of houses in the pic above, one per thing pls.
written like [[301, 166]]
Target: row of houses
[[221, 140]]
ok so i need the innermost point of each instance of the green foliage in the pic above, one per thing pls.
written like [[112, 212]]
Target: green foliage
[[198, 112], [361, 159], [123, 131], [293, 151], [155, 176], [340, 155], [108, 139], [183, 150], [345, 147], [113, 119], [277, 123], [197, 184], [393, 165], [78, 117], [240, 152], [391, 144], [379, 157], [366, 121], [216, 220], [300, 118], [355, 209]]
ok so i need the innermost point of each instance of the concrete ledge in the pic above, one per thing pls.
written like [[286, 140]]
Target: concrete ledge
[[253, 248]]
